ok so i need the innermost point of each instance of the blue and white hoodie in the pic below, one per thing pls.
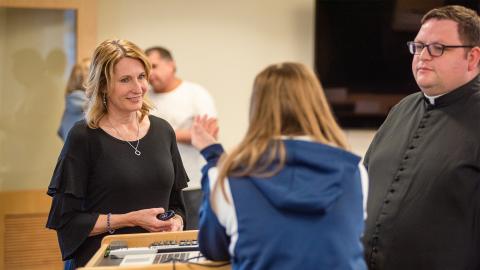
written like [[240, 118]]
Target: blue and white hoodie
[[308, 216], [74, 103]]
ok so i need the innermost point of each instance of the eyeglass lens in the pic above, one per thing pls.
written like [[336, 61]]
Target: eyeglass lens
[[433, 49]]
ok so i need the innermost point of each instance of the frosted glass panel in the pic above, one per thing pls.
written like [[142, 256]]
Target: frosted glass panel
[[37, 50]]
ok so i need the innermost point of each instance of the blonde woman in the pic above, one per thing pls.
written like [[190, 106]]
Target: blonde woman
[[75, 98], [119, 168], [289, 196]]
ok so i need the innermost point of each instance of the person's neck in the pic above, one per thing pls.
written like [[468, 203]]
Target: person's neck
[[123, 126], [436, 92], [122, 118], [174, 83]]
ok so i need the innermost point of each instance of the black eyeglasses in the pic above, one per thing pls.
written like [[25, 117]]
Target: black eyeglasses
[[434, 49]]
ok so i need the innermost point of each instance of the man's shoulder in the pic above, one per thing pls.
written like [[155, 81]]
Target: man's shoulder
[[414, 97], [192, 87], [475, 98], [409, 101], [404, 108]]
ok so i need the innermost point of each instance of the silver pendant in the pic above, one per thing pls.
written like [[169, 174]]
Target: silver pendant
[[137, 152]]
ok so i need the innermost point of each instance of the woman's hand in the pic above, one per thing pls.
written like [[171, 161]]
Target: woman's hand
[[204, 131], [176, 223], [147, 219]]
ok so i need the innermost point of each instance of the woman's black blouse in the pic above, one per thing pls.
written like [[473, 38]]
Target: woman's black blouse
[[99, 174]]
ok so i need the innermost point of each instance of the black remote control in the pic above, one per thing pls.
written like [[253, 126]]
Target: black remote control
[[167, 215]]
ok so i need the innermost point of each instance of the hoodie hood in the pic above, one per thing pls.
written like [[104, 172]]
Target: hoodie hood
[[311, 179], [75, 101]]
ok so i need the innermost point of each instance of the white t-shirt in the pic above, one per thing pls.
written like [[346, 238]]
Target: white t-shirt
[[178, 108]]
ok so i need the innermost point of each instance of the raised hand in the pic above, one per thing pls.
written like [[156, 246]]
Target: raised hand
[[204, 131]]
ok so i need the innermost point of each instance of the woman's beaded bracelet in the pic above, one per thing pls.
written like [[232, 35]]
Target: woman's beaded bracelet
[[109, 227]]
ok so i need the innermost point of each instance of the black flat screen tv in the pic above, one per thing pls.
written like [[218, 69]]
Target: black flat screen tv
[[361, 56]]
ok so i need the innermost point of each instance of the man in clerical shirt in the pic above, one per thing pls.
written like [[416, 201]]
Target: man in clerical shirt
[[424, 162]]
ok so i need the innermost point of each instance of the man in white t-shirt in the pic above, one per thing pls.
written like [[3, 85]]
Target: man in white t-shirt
[[178, 102]]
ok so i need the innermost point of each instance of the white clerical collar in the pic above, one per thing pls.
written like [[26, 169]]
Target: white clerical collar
[[431, 99]]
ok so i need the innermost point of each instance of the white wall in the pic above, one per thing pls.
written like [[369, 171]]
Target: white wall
[[360, 140], [219, 44]]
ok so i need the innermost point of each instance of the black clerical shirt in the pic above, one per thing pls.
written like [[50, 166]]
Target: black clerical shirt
[[424, 198]]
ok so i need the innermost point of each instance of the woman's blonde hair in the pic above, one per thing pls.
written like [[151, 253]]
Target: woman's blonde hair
[[78, 76], [104, 59], [287, 100]]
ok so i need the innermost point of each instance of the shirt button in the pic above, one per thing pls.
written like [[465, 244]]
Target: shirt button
[[411, 147], [392, 190], [401, 169], [386, 201]]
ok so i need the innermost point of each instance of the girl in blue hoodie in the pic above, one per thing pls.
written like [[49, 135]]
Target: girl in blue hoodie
[[75, 98], [290, 195]]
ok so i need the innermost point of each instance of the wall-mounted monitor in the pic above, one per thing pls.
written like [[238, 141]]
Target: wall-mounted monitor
[[361, 56]]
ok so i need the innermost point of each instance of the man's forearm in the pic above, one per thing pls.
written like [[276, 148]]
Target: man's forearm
[[183, 136]]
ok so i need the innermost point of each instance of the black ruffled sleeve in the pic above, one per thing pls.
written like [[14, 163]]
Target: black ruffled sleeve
[[67, 188], [177, 204], [181, 178]]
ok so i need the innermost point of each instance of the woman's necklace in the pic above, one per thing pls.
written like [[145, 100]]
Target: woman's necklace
[[137, 152]]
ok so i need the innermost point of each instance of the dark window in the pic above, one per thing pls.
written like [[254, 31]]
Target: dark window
[[361, 56]]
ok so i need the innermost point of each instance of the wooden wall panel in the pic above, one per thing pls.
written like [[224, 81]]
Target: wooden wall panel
[[29, 245], [18, 208]]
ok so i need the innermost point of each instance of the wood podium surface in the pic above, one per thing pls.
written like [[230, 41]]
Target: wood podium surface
[[144, 240]]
